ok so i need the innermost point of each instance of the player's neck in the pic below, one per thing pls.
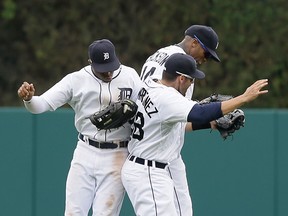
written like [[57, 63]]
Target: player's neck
[[166, 83], [160, 82], [181, 45]]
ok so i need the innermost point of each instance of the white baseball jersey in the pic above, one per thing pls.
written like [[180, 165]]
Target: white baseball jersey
[[161, 112], [94, 176], [87, 94], [154, 65]]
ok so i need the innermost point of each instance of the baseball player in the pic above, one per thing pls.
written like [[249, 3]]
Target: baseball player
[[94, 175], [162, 110], [201, 43]]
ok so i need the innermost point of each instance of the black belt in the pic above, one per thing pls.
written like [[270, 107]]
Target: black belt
[[105, 145], [149, 162]]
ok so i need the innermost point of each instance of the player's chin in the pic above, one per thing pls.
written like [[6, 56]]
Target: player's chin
[[106, 79]]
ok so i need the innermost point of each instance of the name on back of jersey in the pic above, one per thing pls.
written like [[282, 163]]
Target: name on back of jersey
[[158, 57], [147, 103]]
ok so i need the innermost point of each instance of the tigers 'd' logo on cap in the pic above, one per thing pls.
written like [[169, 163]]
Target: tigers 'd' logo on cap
[[103, 56], [106, 56]]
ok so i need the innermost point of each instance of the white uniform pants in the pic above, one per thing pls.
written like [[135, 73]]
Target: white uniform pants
[[177, 172], [94, 180], [150, 189]]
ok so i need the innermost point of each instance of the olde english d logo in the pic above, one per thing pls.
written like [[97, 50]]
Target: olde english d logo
[[124, 93], [106, 56]]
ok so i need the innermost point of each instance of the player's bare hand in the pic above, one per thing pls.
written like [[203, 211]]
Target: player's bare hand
[[253, 91], [26, 91]]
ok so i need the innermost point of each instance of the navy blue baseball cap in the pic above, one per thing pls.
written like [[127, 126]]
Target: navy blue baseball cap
[[102, 56], [183, 64], [207, 36]]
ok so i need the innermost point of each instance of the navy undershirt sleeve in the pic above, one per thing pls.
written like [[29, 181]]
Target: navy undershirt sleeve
[[205, 113]]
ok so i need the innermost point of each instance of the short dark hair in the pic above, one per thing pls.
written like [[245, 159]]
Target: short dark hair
[[168, 76]]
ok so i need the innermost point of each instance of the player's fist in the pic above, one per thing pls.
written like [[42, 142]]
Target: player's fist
[[26, 91]]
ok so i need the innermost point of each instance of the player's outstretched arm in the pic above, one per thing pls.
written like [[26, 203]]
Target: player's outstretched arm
[[202, 115], [26, 91]]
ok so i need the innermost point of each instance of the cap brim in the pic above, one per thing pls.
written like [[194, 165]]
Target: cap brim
[[199, 74], [107, 67], [214, 55]]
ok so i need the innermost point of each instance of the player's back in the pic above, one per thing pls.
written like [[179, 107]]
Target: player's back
[[159, 123], [154, 64]]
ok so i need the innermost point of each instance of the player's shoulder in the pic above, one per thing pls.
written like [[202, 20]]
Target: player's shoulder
[[83, 72], [153, 85], [163, 95], [161, 55], [171, 49], [78, 73], [126, 70]]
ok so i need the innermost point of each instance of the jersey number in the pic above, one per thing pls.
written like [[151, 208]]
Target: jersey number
[[138, 124], [148, 73]]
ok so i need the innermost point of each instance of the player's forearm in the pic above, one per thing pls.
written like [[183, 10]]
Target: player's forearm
[[37, 105], [188, 126], [232, 104]]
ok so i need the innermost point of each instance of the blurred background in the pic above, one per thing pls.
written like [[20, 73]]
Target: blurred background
[[43, 40]]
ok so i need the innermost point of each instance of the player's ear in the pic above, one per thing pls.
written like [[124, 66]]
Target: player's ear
[[194, 42], [90, 61], [182, 78]]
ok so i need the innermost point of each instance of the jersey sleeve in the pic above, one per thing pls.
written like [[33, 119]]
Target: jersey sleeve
[[37, 105], [60, 93], [176, 107]]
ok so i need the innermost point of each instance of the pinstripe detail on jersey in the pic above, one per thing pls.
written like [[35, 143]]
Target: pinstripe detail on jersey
[[110, 98], [100, 86], [119, 71]]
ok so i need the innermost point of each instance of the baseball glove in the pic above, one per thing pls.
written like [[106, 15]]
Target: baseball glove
[[215, 98], [230, 122], [114, 115]]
